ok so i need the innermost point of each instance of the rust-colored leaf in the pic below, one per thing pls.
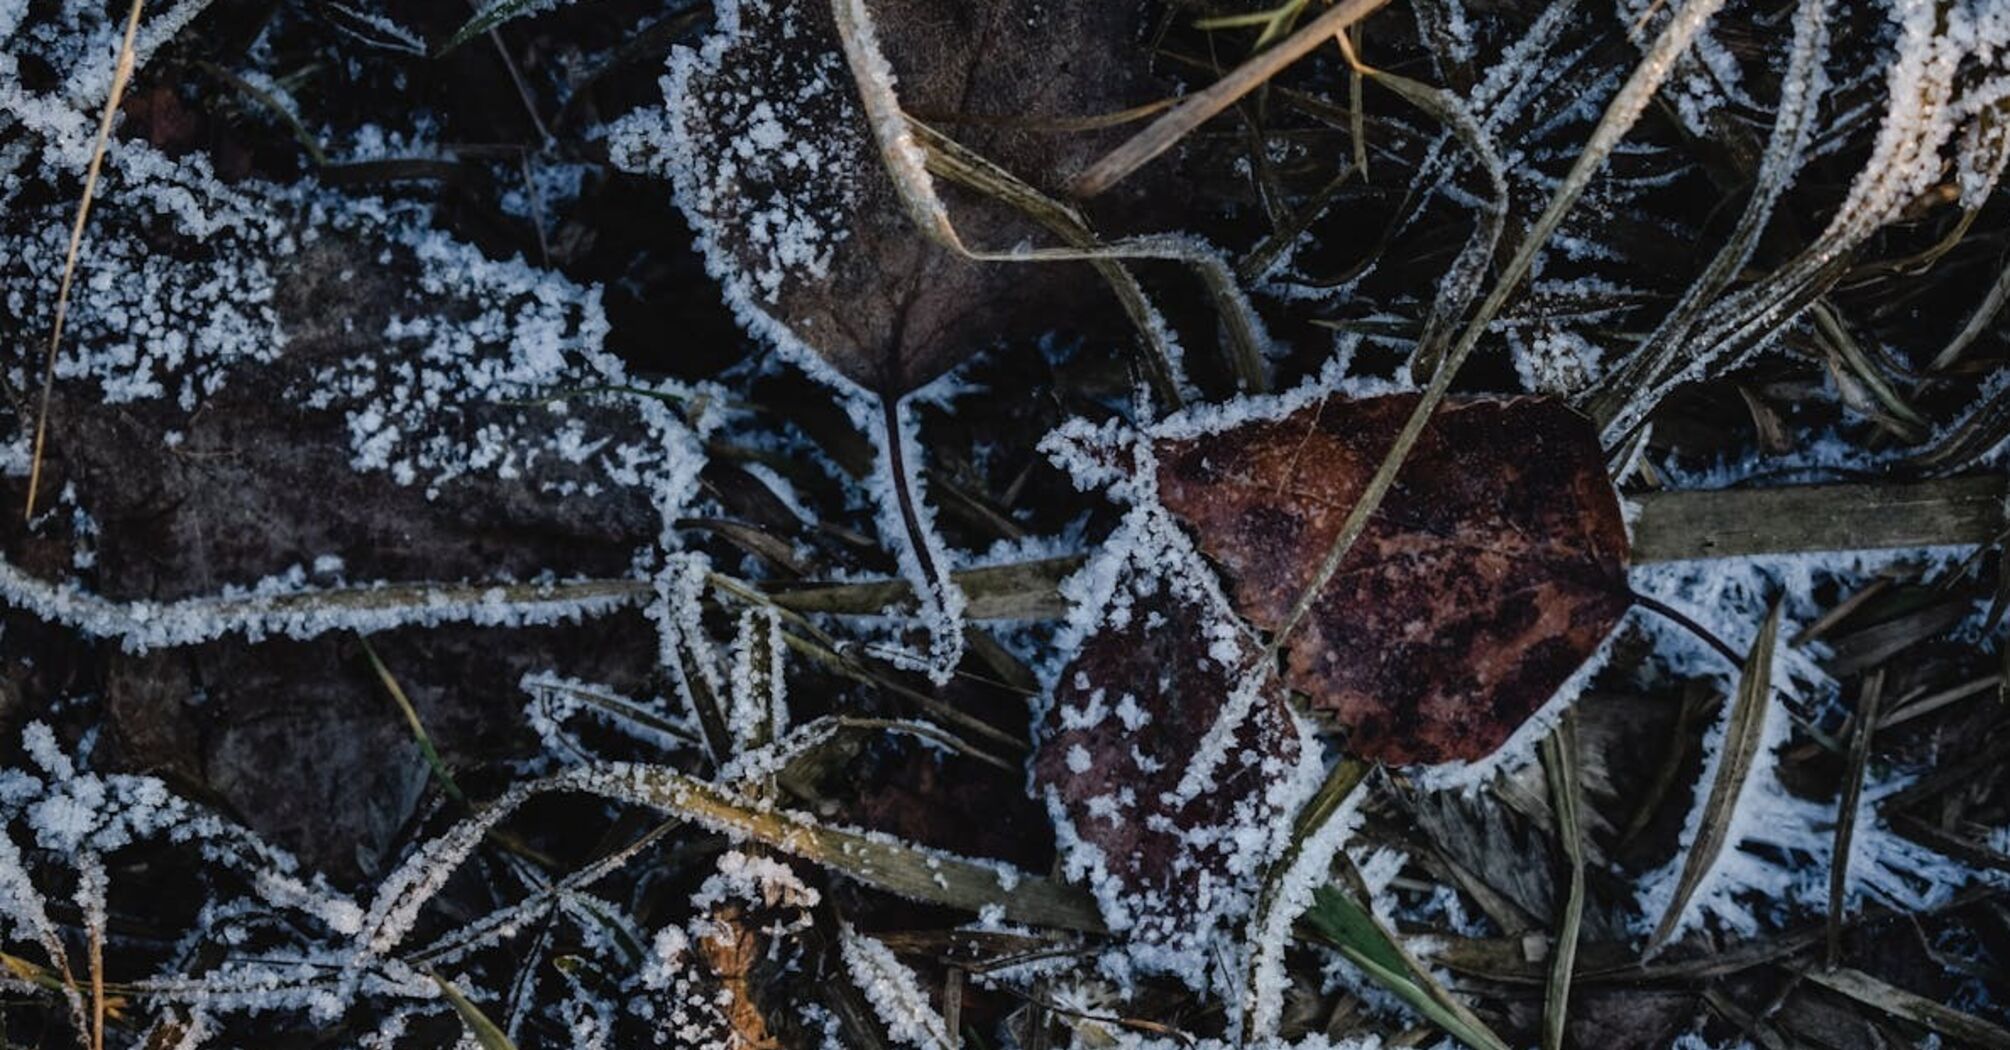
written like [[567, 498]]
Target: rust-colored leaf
[[1493, 569], [1166, 762], [779, 171]]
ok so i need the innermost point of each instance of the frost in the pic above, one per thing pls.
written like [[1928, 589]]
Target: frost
[[894, 992], [1745, 890]]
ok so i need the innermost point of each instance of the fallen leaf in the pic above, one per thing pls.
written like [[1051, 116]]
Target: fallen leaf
[[779, 171], [1495, 567], [1167, 765]]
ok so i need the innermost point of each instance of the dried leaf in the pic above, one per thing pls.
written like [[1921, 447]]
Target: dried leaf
[[1162, 756], [1493, 569], [777, 166]]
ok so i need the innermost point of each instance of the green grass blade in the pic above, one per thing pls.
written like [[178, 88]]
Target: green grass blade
[[1352, 929], [486, 19], [486, 1034], [418, 728]]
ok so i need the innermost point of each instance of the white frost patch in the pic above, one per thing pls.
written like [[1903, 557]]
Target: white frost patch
[[894, 992]]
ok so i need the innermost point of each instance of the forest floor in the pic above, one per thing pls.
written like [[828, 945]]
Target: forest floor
[[1004, 523]]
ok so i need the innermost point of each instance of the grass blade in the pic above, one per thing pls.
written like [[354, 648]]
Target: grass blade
[[1559, 760], [485, 1033], [1744, 730], [1859, 758], [418, 728], [876, 860], [486, 19], [122, 74], [1902, 1004], [1351, 928]]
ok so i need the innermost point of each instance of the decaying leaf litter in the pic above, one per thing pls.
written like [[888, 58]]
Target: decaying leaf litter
[[1286, 415]]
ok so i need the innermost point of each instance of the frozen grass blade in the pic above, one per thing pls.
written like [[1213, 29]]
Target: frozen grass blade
[[876, 860], [1016, 591], [488, 18], [1462, 280], [122, 74], [1617, 398], [309, 612], [1745, 729], [1866, 719], [1354, 931], [1198, 108], [1282, 898], [1559, 761]]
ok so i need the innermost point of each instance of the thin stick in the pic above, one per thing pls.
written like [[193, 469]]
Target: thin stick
[[122, 74], [98, 984], [1197, 109]]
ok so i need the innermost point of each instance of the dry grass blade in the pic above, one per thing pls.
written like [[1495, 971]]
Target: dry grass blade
[[97, 931], [905, 146], [1559, 761], [1730, 523], [1898, 416], [1743, 732], [1918, 1009], [122, 74], [1198, 108], [1671, 526], [1859, 759], [485, 1032], [1016, 591], [950, 160], [875, 860], [1978, 322]]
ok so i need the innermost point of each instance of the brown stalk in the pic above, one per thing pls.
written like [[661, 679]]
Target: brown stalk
[[122, 74]]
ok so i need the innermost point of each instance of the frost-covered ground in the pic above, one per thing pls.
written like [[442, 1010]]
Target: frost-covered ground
[[631, 523]]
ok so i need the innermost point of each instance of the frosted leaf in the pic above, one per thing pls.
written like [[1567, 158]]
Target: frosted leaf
[[1169, 766], [283, 369], [767, 143]]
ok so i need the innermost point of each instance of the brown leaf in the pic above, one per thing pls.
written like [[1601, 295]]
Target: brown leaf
[[1147, 698], [1494, 568], [779, 171], [731, 950]]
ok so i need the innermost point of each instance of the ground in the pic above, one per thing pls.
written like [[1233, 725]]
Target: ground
[[765, 523]]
